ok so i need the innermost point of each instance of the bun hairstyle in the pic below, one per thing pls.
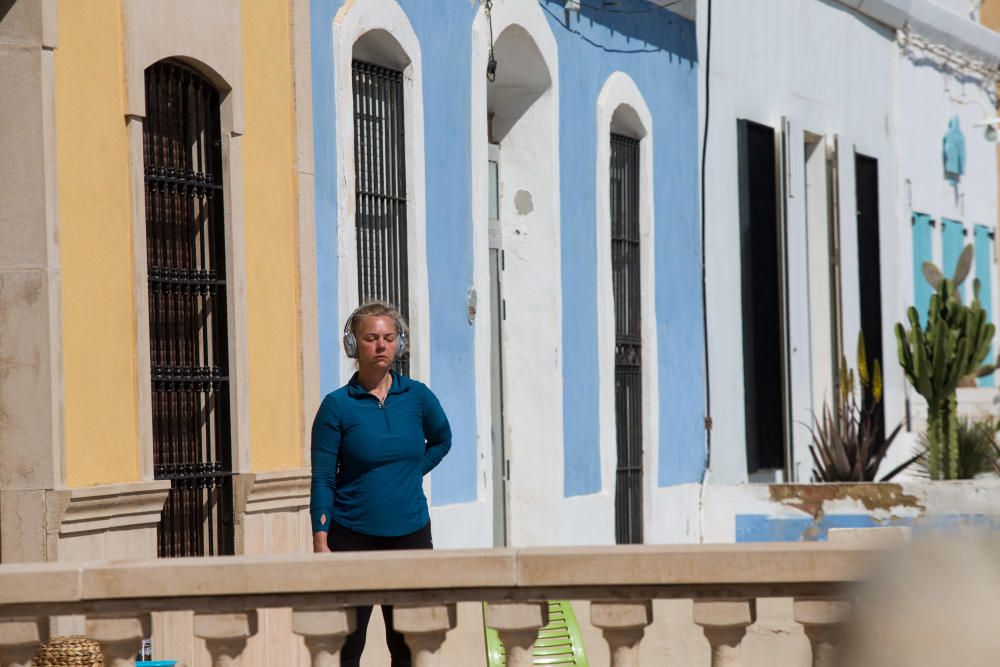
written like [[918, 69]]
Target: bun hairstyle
[[374, 309]]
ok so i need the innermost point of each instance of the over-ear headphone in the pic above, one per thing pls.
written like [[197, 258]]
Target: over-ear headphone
[[351, 342]]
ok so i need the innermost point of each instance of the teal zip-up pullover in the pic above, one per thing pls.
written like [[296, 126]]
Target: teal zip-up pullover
[[369, 458]]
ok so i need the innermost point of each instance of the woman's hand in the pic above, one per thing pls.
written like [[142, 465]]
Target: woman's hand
[[319, 542]]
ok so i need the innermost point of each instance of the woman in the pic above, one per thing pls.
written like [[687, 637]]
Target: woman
[[373, 440]]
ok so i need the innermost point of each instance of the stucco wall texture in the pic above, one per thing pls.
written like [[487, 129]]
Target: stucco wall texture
[[96, 246], [98, 290]]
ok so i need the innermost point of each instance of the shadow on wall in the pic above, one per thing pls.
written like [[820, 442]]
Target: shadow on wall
[[632, 26]]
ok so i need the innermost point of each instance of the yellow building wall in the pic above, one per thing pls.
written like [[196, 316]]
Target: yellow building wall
[[270, 208], [95, 246], [96, 242]]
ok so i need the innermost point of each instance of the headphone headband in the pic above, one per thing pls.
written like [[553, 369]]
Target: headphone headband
[[351, 341]]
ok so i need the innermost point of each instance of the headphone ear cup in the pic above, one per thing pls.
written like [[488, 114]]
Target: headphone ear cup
[[400, 345], [350, 345]]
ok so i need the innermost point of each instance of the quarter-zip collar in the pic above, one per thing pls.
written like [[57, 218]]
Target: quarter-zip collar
[[399, 385]]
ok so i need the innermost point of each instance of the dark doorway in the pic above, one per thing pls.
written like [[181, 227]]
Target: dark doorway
[[869, 273], [762, 290]]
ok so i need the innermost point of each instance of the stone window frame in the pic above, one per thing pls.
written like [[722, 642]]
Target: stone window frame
[[188, 32], [385, 30], [621, 108]]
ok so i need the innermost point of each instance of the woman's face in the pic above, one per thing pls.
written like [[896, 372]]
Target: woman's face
[[377, 342]]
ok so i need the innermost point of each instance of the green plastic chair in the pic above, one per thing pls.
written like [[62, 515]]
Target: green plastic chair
[[559, 642]]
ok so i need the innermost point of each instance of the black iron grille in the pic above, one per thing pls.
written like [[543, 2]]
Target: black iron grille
[[380, 178], [188, 339], [628, 340]]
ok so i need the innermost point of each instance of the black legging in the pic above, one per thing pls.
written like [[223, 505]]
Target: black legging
[[344, 539]]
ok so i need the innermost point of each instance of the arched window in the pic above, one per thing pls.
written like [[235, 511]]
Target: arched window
[[380, 177], [188, 337], [627, 353], [625, 263], [380, 188]]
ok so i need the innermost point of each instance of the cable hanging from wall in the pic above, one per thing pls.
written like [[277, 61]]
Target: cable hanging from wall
[[910, 42], [491, 64]]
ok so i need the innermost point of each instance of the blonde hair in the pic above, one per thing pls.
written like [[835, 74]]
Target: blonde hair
[[377, 308]]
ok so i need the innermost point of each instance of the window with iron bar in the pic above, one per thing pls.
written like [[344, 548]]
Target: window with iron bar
[[628, 338], [380, 189], [188, 337]]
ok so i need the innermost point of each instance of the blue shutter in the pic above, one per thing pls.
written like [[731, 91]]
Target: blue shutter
[[984, 252], [921, 253], [953, 239]]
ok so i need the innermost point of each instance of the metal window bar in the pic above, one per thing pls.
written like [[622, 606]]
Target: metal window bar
[[380, 188], [628, 340], [188, 338]]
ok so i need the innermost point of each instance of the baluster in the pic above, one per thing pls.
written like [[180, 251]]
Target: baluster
[[623, 625], [120, 636], [324, 632], [19, 639], [424, 627], [518, 624], [822, 620], [725, 625], [226, 634]]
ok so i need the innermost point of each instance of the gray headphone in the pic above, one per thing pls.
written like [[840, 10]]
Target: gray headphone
[[351, 342]]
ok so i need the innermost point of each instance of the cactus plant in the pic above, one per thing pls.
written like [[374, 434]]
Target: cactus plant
[[978, 452], [938, 355]]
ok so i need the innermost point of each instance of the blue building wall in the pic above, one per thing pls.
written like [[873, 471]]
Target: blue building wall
[[657, 49], [766, 528]]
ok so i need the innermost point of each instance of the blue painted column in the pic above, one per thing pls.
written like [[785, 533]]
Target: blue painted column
[[922, 290], [984, 254], [952, 242]]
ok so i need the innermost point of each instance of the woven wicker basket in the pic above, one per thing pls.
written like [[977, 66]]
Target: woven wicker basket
[[71, 651]]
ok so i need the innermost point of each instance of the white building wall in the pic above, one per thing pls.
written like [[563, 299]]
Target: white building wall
[[930, 93], [831, 72]]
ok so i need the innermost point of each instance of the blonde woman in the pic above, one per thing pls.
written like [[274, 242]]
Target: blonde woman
[[373, 440]]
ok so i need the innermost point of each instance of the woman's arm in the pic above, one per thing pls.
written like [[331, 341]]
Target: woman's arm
[[437, 432], [325, 450]]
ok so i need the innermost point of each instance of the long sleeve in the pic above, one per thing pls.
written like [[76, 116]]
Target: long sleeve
[[325, 450], [437, 432]]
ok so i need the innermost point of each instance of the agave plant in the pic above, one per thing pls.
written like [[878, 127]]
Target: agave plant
[[846, 444]]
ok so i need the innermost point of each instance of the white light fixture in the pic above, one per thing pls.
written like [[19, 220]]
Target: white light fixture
[[991, 127]]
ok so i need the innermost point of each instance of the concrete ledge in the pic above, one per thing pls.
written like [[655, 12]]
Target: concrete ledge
[[933, 22], [707, 571], [106, 507], [279, 491], [722, 564]]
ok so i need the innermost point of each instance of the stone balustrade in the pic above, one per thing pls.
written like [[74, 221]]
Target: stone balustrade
[[226, 594]]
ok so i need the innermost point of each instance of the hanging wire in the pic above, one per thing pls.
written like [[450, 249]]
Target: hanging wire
[[491, 64]]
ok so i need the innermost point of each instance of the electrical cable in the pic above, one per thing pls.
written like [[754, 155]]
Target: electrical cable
[[704, 282], [491, 63]]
